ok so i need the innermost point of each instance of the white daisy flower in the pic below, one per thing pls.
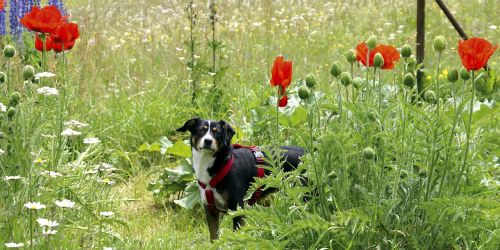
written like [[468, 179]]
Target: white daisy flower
[[47, 223], [44, 75], [70, 132], [2, 151], [34, 205], [52, 174], [3, 108], [47, 91], [107, 248], [106, 181], [107, 213], [14, 245], [65, 203], [15, 177], [92, 140], [48, 231], [492, 27], [90, 172], [75, 124]]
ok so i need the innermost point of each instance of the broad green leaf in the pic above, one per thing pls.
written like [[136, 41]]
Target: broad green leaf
[[165, 144], [191, 197], [299, 116], [180, 149], [143, 147]]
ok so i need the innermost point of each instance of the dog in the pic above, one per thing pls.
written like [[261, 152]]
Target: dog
[[225, 172]]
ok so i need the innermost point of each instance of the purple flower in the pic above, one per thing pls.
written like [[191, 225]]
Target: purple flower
[[3, 28], [15, 26], [59, 4]]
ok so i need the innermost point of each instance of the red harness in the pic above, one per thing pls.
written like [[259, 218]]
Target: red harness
[[209, 194]]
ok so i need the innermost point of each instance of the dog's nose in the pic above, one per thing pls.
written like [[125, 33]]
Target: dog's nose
[[207, 142]]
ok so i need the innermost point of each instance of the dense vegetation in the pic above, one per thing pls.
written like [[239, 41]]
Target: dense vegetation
[[387, 168]]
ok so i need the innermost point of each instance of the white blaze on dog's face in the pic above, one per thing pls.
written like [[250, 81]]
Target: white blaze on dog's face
[[208, 136]]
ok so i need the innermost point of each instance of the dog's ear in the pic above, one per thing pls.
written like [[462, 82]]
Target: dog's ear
[[189, 125], [228, 131]]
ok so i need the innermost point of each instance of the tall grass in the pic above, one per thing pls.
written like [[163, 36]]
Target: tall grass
[[128, 79]]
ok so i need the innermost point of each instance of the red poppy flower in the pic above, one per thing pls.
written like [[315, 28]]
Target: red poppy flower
[[283, 101], [58, 47], [475, 52], [281, 72], [44, 20], [39, 43], [388, 52], [1, 5], [66, 33]]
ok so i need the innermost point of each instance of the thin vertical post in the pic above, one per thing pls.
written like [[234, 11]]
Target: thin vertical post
[[420, 43]]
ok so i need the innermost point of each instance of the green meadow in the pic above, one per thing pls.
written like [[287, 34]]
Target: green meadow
[[388, 167]]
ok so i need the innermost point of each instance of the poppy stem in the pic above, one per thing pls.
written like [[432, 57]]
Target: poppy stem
[[467, 135]]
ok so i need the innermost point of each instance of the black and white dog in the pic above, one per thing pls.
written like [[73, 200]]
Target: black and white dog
[[224, 171]]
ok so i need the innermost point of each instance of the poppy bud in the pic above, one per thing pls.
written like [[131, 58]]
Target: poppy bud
[[406, 51], [28, 72], [357, 82], [409, 80], [2, 135], [430, 96], [372, 114], [335, 70], [14, 98], [345, 79], [11, 112], [439, 43], [464, 74], [412, 63], [453, 75], [304, 93], [9, 51], [351, 56], [369, 153], [378, 60], [310, 81], [371, 42], [3, 77]]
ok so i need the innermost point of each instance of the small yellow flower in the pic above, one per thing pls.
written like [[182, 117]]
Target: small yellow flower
[[39, 161], [445, 72], [429, 77]]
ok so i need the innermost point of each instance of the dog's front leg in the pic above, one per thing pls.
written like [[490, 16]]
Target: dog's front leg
[[238, 222], [213, 222]]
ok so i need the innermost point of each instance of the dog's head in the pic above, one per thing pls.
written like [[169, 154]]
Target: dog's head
[[208, 135]]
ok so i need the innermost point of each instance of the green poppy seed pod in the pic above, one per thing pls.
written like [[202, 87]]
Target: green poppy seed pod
[[15, 96], [453, 75], [304, 93], [412, 63], [439, 43], [430, 96], [351, 56], [336, 70], [9, 51], [378, 60], [310, 81], [2, 135], [464, 74], [371, 43], [357, 82], [3, 77], [345, 79], [406, 51], [28, 72], [11, 112], [409, 80], [369, 153], [372, 114]]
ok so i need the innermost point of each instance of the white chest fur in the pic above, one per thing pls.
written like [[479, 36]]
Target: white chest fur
[[202, 160]]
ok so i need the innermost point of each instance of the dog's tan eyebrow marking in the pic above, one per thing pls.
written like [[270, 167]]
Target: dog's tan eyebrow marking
[[204, 126], [214, 129]]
